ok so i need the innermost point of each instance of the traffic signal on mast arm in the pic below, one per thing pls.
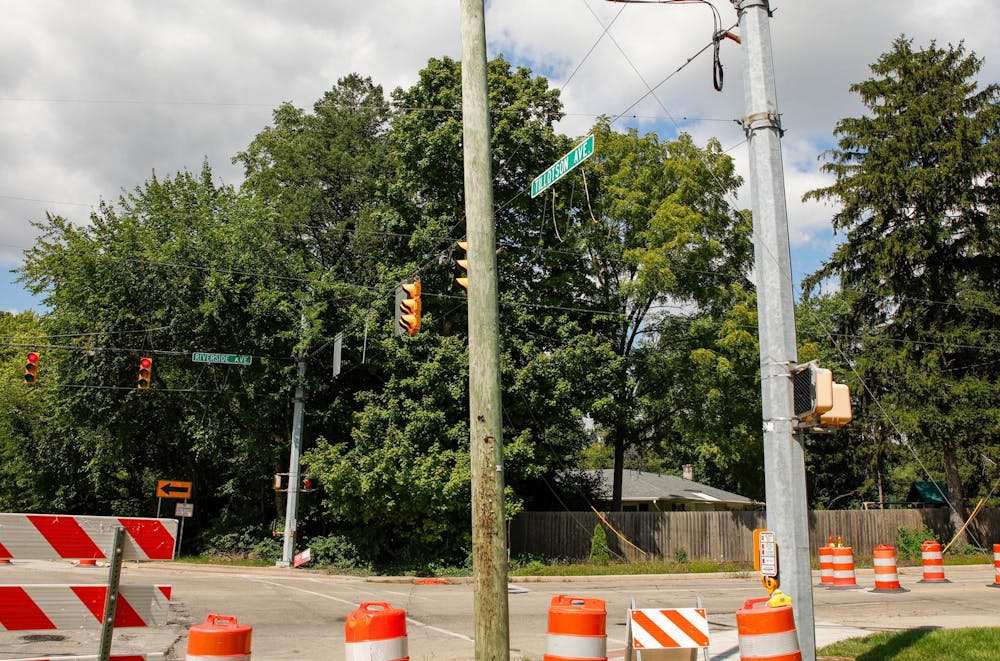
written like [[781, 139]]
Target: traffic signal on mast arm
[[31, 368], [410, 308], [145, 375], [464, 264]]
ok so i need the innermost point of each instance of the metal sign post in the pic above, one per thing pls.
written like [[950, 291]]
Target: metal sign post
[[111, 598]]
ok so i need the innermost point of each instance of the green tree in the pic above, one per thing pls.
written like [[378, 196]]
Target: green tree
[[916, 183], [662, 244]]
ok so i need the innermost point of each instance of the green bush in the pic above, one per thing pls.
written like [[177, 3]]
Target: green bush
[[681, 556], [909, 540], [600, 553], [337, 551], [249, 543]]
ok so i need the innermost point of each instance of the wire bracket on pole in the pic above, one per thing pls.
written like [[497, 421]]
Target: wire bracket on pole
[[761, 120]]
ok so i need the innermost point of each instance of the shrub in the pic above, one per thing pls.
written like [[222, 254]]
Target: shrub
[[909, 540], [600, 554], [336, 550]]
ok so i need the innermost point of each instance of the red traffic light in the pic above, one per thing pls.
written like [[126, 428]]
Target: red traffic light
[[31, 369]]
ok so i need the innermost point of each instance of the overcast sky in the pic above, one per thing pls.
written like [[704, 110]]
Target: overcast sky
[[97, 94]]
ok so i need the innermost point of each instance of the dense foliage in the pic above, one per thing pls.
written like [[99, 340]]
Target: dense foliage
[[628, 324], [917, 314]]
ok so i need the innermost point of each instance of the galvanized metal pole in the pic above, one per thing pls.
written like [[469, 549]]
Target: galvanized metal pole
[[292, 505], [489, 544], [111, 597], [784, 456]]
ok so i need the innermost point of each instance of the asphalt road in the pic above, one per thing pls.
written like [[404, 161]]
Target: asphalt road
[[298, 614]]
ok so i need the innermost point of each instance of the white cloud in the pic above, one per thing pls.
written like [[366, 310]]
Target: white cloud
[[95, 94]]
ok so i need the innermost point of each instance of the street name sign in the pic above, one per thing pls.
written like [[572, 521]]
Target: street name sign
[[222, 358], [173, 489], [577, 155]]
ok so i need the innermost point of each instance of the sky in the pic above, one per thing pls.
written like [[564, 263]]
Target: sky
[[97, 95]]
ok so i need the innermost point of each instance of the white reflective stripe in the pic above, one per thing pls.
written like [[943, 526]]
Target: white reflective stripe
[[885, 578], [931, 555], [826, 572], [663, 623], [388, 649], [844, 574], [769, 644], [996, 556], [577, 647], [884, 562], [202, 657]]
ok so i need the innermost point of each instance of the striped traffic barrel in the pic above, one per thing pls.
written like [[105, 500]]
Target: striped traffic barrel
[[376, 631], [843, 567], [886, 575], [577, 630], [933, 562], [825, 566], [996, 566], [219, 638], [767, 633]]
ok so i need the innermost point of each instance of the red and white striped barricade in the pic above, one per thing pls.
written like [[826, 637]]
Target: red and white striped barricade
[[86, 538], [148, 656], [825, 566], [843, 568], [667, 634], [58, 536], [24, 607]]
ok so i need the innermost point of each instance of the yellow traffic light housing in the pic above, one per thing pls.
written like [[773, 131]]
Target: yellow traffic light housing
[[840, 413], [145, 375], [410, 307], [464, 264], [31, 369]]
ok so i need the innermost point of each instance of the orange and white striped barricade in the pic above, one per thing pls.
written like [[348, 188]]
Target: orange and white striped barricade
[[219, 638], [996, 567], [376, 631], [577, 630], [825, 566], [843, 568], [24, 607], [767, 633], [666, 634], [886, 574], [147, 656], [933, 562]]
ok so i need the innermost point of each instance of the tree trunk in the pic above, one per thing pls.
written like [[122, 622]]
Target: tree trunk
[[954, 484], [616, 486]]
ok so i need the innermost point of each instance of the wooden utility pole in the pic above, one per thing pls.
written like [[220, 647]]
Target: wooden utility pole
[[489, 540]]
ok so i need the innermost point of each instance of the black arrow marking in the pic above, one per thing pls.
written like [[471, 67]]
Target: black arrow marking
[[170, 488]]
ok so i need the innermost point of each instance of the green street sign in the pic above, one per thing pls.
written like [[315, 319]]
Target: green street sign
[[222, 358], [577, 155]]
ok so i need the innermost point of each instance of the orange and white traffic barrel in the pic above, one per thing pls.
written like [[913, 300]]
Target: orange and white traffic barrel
[[767, 633], [933, 562], [996, 566], [219, 638], [843, 567], [577, 630], [376, 631], [826, 566], [886, 575]]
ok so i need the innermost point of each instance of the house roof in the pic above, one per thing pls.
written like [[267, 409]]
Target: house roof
[[641, 486], [931, 493]]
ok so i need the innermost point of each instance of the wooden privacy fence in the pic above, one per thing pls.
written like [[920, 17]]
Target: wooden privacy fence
[[724, 536]]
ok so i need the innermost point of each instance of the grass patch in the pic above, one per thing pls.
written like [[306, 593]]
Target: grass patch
[[568, 568], [974, 644], [230, 560]]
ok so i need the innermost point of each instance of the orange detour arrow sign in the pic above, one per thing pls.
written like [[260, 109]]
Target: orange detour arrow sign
[[173, 489]]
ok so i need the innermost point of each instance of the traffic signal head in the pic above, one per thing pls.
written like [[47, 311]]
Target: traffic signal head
[[145, 375], [410, 308], [464, 264], [840, 413], [308, 484], [812, 388], [31, 369]]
